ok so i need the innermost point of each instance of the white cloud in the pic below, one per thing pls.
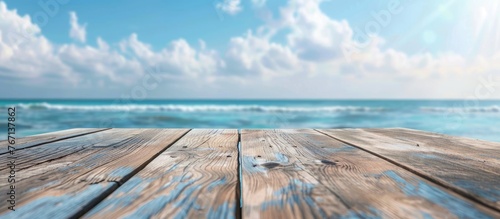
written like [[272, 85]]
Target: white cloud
[[316, 43], [179, 58], [313, 51], [231, 7], [259, 3], [77, 32], [25, 54], [314, 36], [99, 63], [256, 55]]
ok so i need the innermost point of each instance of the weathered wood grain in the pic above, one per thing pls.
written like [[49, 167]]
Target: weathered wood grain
[[69, 183], [469, 167], [194, 178], [35, 140], [52, 151], [393, 173], [306, 174], [60, 149]]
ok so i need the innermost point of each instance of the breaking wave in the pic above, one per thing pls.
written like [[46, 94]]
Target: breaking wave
[[485, 109], [200, 108]]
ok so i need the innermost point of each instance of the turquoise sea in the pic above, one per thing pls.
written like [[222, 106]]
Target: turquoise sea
[[474, 119]]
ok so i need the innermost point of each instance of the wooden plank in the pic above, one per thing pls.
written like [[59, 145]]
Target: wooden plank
[[469, 167], [56, 150], [68, 184], [35, 140], [197, 177], [306, 174]]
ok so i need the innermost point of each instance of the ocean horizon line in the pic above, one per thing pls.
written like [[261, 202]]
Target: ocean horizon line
[[257, 99]]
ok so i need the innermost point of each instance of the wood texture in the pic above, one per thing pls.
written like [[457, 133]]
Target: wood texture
[[35, 140], [306, 174], [470, 167], [66, 178], [170, 173], [195, 178], [53, 151]]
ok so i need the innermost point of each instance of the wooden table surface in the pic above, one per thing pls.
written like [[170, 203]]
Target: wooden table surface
[[282, 173]]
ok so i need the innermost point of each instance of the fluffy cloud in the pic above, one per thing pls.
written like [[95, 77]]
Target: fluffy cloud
[[256, 55], [99, 63], [259, 3], [26, 54], [229, 6], [77, 31], [314, 45], [314, 36], [179, 58], [321, 45]]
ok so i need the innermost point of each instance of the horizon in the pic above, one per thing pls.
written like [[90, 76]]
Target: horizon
[[249, 99], [467, 118]]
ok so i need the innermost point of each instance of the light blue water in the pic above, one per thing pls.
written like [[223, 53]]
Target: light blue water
[[461, 118]]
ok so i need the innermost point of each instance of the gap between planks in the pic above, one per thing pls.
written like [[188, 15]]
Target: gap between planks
[[411, 170], [239, 186], [101, 197], [181, 177]]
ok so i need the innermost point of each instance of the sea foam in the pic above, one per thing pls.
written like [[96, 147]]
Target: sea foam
[[199, 108]]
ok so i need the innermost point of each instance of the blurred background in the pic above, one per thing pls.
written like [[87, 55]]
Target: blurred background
[[427, 65], [449, 117]]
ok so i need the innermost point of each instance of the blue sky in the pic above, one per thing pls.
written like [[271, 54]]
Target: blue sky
[[250, 49]]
